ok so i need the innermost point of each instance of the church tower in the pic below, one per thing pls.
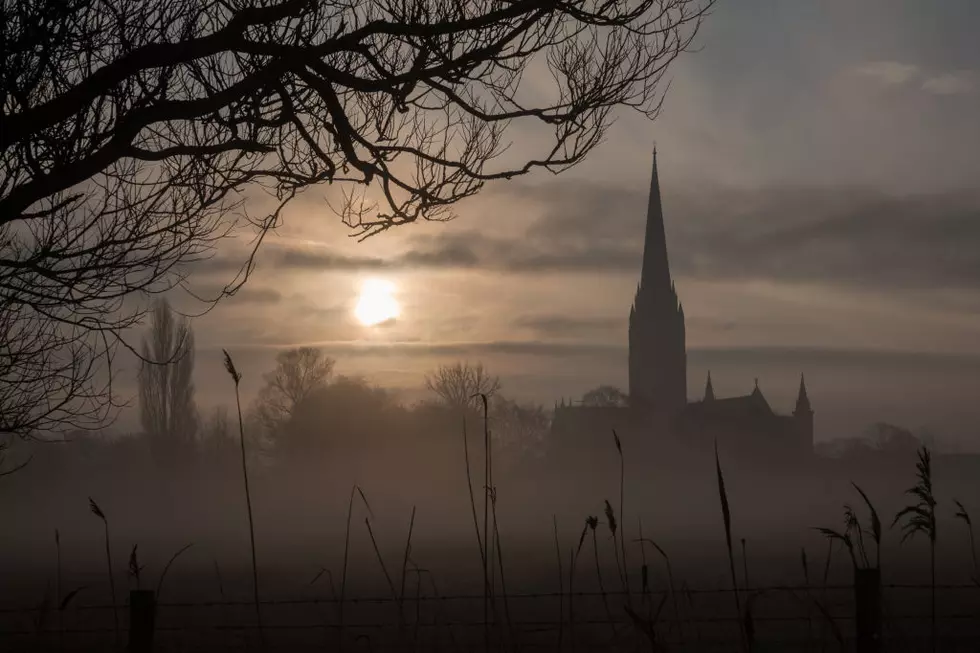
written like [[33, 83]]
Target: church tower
[[804, 417], [657, 355]]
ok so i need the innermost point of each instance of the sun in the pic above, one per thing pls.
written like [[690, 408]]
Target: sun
[[376, 303]]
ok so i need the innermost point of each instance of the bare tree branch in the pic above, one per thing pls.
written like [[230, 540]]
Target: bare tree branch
[[134, 130]]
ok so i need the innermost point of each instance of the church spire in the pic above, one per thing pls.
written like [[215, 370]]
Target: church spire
[[802, 400], [656, 271], [709, 391], [658, 357]]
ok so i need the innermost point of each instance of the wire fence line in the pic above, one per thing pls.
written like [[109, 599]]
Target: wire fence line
[[538, 618], [387, 600]]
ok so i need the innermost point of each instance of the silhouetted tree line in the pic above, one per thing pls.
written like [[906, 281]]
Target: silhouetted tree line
[[304, 416]]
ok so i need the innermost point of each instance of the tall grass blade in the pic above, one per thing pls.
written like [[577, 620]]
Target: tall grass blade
[[875, 524], [727, 517], [57, 591], [381, 561], [500, 564], [237, 377], [745, 566], [806, 584], [469, 485], [920, 517], [487, 484], [166, 568], [97, 511], [343, 573], [962, 514], [408, 550], [593, 522], [622, 515], [561, 587], [670, 581]]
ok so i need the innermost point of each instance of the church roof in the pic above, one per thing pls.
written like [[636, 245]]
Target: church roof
[[748, 406]]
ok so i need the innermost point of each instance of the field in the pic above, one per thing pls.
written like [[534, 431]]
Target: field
[[381, 567]]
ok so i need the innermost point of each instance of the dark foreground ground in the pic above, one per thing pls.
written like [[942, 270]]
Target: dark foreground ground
[[439, 606], [432, 600]]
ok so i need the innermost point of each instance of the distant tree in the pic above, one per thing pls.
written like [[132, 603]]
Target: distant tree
[[345, 414], [458, 384], [134, 129], [218, 443], [605, 395], [890, 438], [520, 428], [166, 390], [298, 374]]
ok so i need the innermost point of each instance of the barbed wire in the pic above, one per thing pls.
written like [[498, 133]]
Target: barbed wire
[[384, 600]]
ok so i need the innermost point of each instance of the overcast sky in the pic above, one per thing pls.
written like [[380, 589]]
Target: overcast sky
[[818, 162]]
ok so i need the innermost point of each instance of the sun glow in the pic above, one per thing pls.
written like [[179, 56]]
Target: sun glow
[[376, 303]]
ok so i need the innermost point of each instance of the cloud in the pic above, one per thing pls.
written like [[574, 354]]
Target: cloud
[[894, 73], [560, 326], [888, 73], [463, 250], [474, 349], [255, 295], [960, 82], [841, 236]]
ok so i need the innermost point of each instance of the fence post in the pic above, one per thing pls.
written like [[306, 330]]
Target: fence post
[[142, 616], [867, 606]]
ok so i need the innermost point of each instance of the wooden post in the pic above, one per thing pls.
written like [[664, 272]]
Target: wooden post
[[142, 616], [867, 607]]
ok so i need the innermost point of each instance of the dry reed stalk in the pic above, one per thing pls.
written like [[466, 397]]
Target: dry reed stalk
[[94, 507], [921, 518], [593, 522], [408, 550], [727, 517], [622, 515], [644, 570], [166, 568], [381, 562], [670, 581], [57, 591], [745, 566], [487, 484], [875, 524], [561, 587], [500, 563], [613, 528], [571, 584], [823, 589], [237, 377], [343, 573], [809, 611], [469, 485], [962, 514]]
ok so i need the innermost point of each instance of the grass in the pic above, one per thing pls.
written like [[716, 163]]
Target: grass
[[860, 541], [920, 517]]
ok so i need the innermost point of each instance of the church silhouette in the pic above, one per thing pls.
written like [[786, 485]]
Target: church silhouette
[[658, 402]]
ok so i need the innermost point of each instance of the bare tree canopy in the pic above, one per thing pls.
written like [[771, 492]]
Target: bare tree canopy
[[605, 395], [167, 410], [133, 130], [299, 373], [458, 384]]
